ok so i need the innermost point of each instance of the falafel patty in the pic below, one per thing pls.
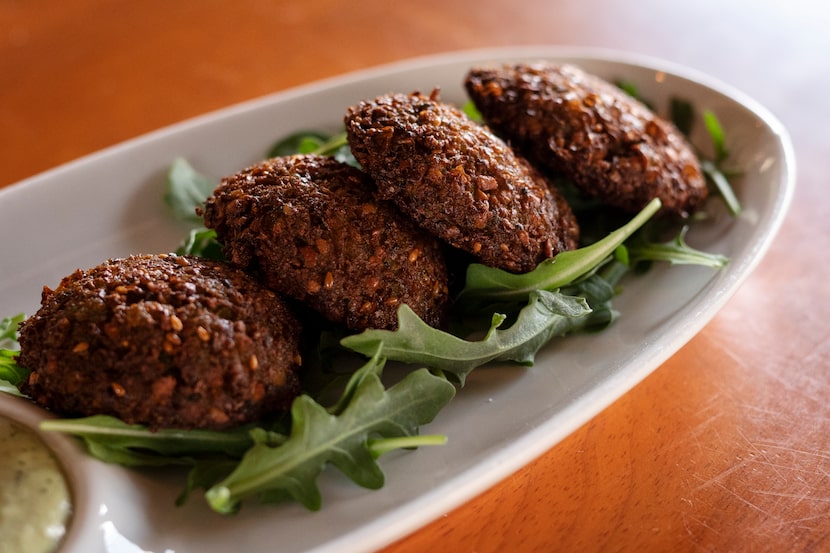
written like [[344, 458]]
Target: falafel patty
[[310, 227], [459, 181], [610, 145], [162, 340]]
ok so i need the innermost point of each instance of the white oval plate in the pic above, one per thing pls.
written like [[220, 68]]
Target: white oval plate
[[109, 204]]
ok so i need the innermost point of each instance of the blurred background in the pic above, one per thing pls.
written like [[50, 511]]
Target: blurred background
[[154, 62]]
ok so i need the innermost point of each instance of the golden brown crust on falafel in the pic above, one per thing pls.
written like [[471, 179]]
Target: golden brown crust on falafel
[[166, 341], [572, 123], [311, 228], [459, 181]]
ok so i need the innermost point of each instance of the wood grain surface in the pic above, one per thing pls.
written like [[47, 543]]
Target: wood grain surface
[[726, 447]]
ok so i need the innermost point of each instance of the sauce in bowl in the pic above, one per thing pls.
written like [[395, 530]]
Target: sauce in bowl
[[35, 503]]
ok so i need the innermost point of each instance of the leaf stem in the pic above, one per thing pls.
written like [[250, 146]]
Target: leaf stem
[[385, 445], [722, 186], [676, 252], [332, 144]]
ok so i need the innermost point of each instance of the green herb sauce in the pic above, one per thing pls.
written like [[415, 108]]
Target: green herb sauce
[[34, 496]]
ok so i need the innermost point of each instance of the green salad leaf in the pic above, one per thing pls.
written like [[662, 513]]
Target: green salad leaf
[[12, 374], [319, 438], [714, 169], [366, 422], [717, 135], [564, 268], [546, 315], [717, 177], [202, 242], [301, 142], [674, 251], [682, 114], [631, 88], [315, 142], [186, 191], [210, 455], [8, 330], [471, 111], [136, 445]]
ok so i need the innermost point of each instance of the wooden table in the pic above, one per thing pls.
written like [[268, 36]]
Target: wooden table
[[726, 446]]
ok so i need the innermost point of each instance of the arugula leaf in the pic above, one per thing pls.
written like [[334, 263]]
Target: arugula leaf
[[202, 242], [113, 440], [471, 111], [211, 455], [630, 88], [12, 375], [8, 330], [319, 438], [713, 169], [675, 252], [682, 114], [372, 368], [205, 474], [717, 134], [564, 268], [546, 315], [384, 420], [302, 142], [598, 290], [187, 190], [717, 178], [315, 142]]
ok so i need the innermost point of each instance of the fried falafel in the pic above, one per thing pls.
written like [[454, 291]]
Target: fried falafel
[[310, 227], [459, 181], [609, 144], [162, 340]]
